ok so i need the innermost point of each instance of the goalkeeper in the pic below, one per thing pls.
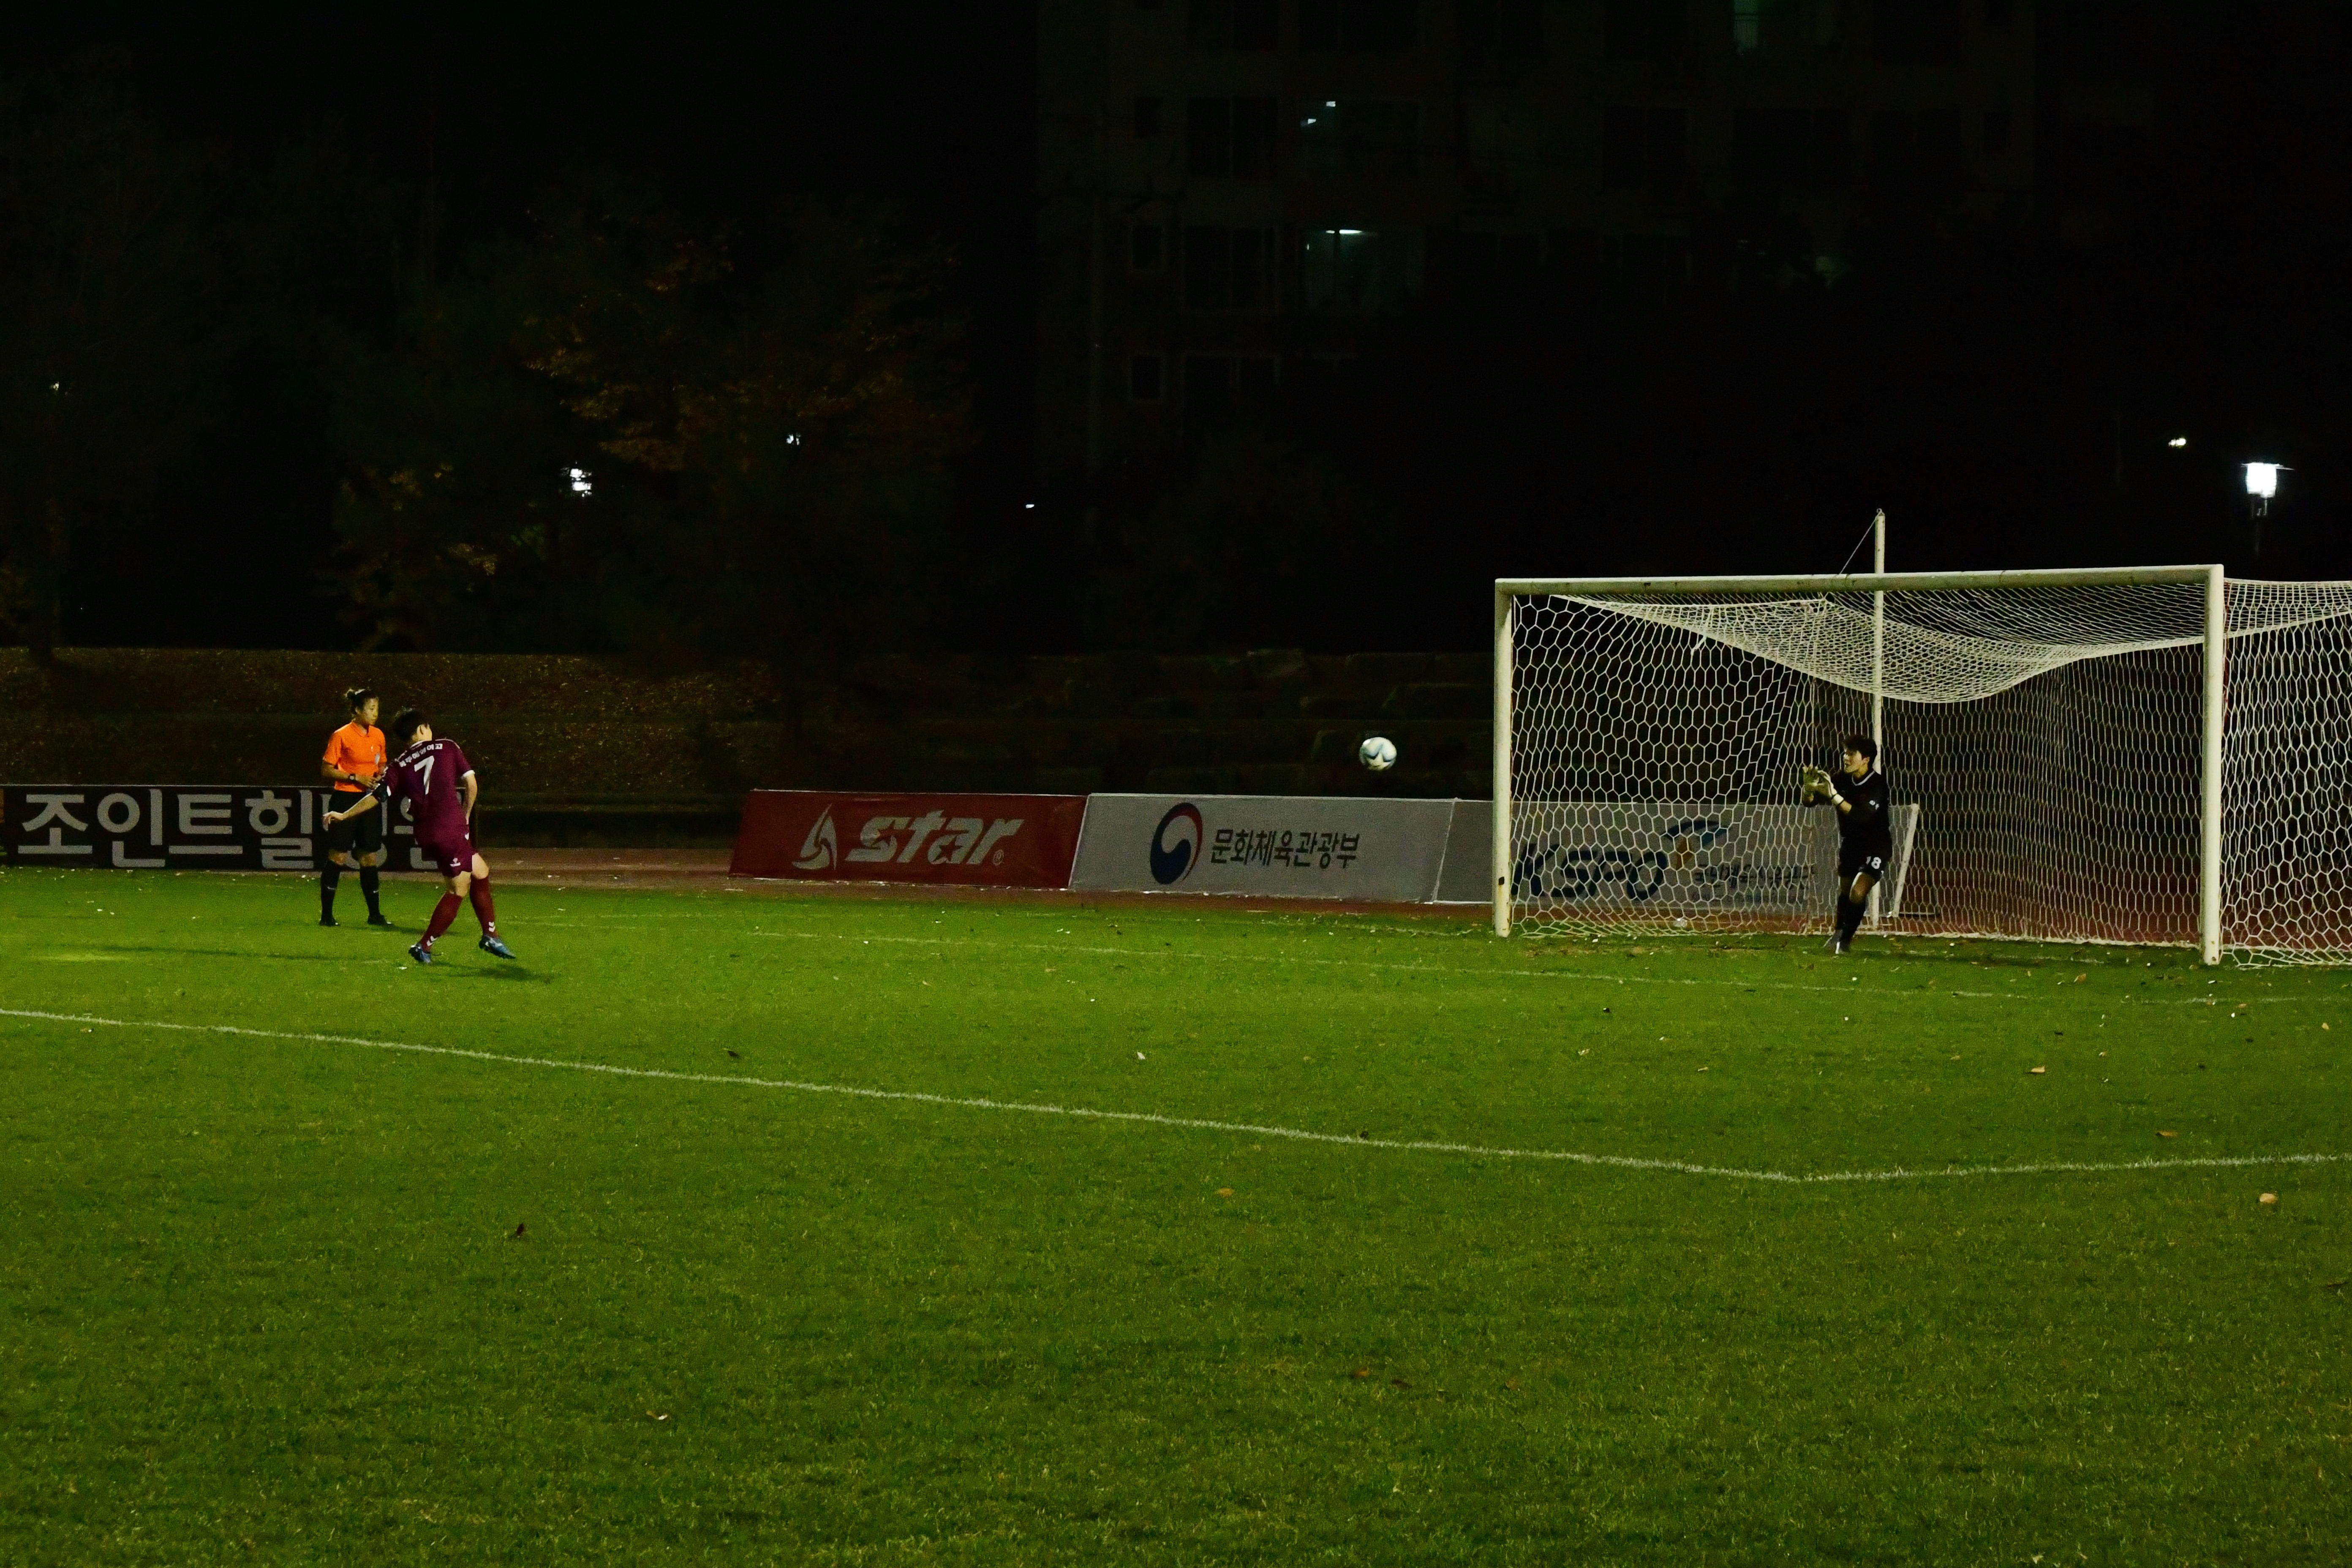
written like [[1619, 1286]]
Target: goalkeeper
[[1866, 836]]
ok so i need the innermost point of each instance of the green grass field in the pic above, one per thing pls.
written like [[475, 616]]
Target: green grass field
[[267, 1298]]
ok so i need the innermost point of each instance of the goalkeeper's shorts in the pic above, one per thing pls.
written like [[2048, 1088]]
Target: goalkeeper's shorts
[[1854, 859]]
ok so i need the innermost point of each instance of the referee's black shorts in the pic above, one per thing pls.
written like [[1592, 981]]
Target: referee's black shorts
[[363, 831], [1856, 858]]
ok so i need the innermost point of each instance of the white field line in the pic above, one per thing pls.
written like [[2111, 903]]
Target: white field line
[[1200, 1124], [2020, 995]]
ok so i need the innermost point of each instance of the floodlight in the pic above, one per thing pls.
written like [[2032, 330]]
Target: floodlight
[[2178, 441], [581, 486], [2261, 479]]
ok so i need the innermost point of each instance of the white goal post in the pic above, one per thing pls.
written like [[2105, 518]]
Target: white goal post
[[2138, 754]]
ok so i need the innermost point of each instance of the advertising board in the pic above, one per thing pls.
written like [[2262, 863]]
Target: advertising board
[[180, 827], [1689, 858], [1379, 851], [976, 840]]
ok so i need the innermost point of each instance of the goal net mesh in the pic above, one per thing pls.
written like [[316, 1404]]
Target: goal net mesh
[[2044, 745]]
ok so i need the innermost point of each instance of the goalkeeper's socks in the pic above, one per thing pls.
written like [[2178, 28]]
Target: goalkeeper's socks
[[443, 913], [1850, 917], [329, 880], [484, 910], [368, 889]]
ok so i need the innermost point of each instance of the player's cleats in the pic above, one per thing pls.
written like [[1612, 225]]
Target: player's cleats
[[422, 953], [329, 920], [1840, 946], [378, 921], [494, 947]]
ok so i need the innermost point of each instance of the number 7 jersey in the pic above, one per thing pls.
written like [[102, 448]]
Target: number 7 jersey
[[430, 777]]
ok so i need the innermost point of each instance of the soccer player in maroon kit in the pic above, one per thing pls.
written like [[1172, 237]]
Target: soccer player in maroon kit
[[438, 781]]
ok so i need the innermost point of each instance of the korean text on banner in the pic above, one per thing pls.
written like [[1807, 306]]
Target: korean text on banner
[[221, 828], [1380, 851], [976, 840]]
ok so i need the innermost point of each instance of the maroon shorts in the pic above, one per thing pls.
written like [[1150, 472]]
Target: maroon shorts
[[451, 858]]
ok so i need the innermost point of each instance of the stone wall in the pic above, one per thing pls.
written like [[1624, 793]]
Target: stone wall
[[559, 738]]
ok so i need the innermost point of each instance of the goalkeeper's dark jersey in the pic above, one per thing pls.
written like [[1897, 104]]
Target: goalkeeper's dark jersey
[[1866, 829]]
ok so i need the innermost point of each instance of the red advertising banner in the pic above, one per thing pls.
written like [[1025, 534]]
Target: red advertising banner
[[977, 840]]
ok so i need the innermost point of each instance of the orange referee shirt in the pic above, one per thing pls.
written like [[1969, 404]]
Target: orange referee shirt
[[356, 749]]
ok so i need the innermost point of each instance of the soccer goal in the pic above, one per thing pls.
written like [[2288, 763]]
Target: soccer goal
[[2152, 754]]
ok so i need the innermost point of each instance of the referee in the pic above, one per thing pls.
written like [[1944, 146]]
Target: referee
[[1865, 835], [354, 761]]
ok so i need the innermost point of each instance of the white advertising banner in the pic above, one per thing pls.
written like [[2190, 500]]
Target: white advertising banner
[[1684, 858], [1380, 851], [1467, 878]]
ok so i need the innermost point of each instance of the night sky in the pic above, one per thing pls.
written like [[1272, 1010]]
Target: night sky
[[332, 238], [324, 164]]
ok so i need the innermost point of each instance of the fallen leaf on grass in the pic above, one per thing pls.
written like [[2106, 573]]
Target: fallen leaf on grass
[[651, 1417], [2336, 1284], [1399, 1382], [1360, 1374], [2037, 1069], [2167, 1134], [2080, 978], [1225, 1192], [736, 1055], [2269, 1197], [519, 1227], [1513, 1383]]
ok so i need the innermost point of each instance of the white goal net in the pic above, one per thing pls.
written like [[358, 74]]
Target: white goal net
[[2045, 736]]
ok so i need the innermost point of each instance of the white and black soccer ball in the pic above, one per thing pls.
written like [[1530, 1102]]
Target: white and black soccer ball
[[1378, 752]]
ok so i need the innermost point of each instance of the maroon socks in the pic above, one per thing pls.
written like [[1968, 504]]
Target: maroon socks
[[443, 913], [483, 910]]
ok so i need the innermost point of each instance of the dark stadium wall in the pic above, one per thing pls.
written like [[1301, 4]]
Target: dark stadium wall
[[596, 749]]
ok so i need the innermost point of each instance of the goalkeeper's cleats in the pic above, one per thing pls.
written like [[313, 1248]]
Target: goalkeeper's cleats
[[1840, 946], [378, 919], [422, 953], [494, 947]]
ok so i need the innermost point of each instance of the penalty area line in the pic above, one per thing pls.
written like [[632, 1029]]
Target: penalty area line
[[1197, 1124]]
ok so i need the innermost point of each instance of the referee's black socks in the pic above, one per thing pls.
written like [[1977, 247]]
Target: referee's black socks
[[368, 890], [329, 880]]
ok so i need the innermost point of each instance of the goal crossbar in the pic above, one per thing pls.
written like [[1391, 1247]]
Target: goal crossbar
[[2212, 700], [1859, 581]]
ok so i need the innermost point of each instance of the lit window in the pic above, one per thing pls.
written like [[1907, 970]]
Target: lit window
[[1361, 269]]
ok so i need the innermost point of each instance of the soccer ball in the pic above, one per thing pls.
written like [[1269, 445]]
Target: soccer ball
[[1378, 752]]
